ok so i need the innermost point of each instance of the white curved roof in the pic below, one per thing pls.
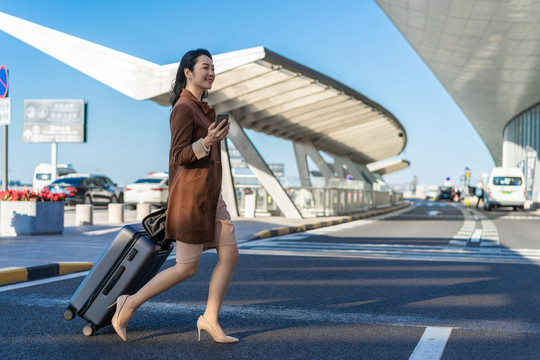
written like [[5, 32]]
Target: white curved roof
[[388, 166], [486, 54], [262, 90], [269, 93]]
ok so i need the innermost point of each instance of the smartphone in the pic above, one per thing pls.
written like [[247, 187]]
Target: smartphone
[[222, 120]]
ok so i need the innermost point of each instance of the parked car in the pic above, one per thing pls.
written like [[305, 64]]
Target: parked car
[[118, 191], [505, 187], [153, 189], [445, 193], [82, 189], [43, 174]]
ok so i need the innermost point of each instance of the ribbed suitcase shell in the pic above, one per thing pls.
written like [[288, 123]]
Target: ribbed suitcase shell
[[128, 263]]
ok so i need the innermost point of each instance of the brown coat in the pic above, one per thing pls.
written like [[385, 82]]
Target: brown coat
[[194, 178]]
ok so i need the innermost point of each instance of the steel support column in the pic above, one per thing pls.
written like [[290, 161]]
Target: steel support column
[[355, 169], [301, 161], [318, 159], [227, 184], [261, 170]]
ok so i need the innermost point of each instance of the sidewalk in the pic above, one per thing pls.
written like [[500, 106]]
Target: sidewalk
[[28, 257]]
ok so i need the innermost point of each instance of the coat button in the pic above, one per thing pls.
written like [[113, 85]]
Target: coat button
[[212, 162]]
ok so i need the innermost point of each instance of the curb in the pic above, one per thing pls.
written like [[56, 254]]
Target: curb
[[301, 228], [15, 274]]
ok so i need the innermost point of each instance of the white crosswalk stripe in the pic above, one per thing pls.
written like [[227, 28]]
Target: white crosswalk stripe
[[432, 344], [466, 232], [476, 230], [518, 217], [289, 247], [476, 241], [490, 236]]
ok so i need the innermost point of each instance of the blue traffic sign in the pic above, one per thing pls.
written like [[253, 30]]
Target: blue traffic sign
[[3, 82]]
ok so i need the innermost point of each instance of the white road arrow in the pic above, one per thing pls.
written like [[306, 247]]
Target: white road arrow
[[433, 212], [27, 134]]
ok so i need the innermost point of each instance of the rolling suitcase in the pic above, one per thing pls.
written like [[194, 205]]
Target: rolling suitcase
[[128, 263]]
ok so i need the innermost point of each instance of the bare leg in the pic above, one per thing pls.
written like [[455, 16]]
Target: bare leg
[[158, 284], [219, 284]]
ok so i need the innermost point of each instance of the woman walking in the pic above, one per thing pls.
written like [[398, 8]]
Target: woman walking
[[197, 217]]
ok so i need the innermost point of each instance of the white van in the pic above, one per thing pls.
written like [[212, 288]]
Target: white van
[[43, 176], [505, 187]]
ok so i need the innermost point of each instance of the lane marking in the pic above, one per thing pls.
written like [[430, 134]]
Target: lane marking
[[290, 247], [466, 232], [481, 257], [516, 217], [432, 344], [102, 232], [265, 310], [477, 234], [42, 281], [490, 235], [487, 237]]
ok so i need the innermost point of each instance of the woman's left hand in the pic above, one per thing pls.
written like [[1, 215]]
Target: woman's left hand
[[216, 134]]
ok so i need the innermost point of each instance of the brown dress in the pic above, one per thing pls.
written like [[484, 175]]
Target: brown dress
[[196, 212]]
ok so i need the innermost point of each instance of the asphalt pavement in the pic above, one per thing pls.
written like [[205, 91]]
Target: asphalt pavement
[[434, 280], [84, 244]]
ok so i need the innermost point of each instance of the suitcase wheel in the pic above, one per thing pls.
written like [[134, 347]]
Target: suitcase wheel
[[69, 314], [89, 330]]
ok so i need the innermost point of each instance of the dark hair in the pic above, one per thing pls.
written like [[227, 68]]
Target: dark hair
[[188, 61]]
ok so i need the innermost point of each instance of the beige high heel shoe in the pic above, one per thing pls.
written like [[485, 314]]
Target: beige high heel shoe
[[121, 331], [203, 324]]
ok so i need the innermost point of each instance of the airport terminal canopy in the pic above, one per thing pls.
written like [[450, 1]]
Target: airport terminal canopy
[[269, 93], [264, 91], [486, 54], [388, 166]]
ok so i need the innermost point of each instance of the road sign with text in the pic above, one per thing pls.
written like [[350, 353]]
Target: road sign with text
[[5, 111], [60, 121]]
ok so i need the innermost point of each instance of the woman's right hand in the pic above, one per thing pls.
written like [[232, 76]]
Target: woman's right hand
[[216, 134]]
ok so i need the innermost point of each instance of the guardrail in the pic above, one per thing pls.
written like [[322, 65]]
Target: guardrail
[[312, 202]]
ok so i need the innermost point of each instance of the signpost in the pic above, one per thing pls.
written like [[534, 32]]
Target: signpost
[[5, 118], [54, 121]]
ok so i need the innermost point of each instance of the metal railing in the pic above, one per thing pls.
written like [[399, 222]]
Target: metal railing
[[317, 201]]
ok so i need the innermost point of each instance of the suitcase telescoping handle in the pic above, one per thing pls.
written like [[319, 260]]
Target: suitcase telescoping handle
[[154, 225]]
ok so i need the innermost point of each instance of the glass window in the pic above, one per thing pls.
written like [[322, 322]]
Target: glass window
[[69, 181], [105, 179], [43, 176], [148, 181], [536, 130], [507, 181], [529, 128], [62, 172]]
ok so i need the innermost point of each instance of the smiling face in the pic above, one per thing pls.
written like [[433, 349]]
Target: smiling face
[[202, 77]]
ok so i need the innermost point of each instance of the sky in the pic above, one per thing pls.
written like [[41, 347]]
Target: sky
[[351, 41]]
